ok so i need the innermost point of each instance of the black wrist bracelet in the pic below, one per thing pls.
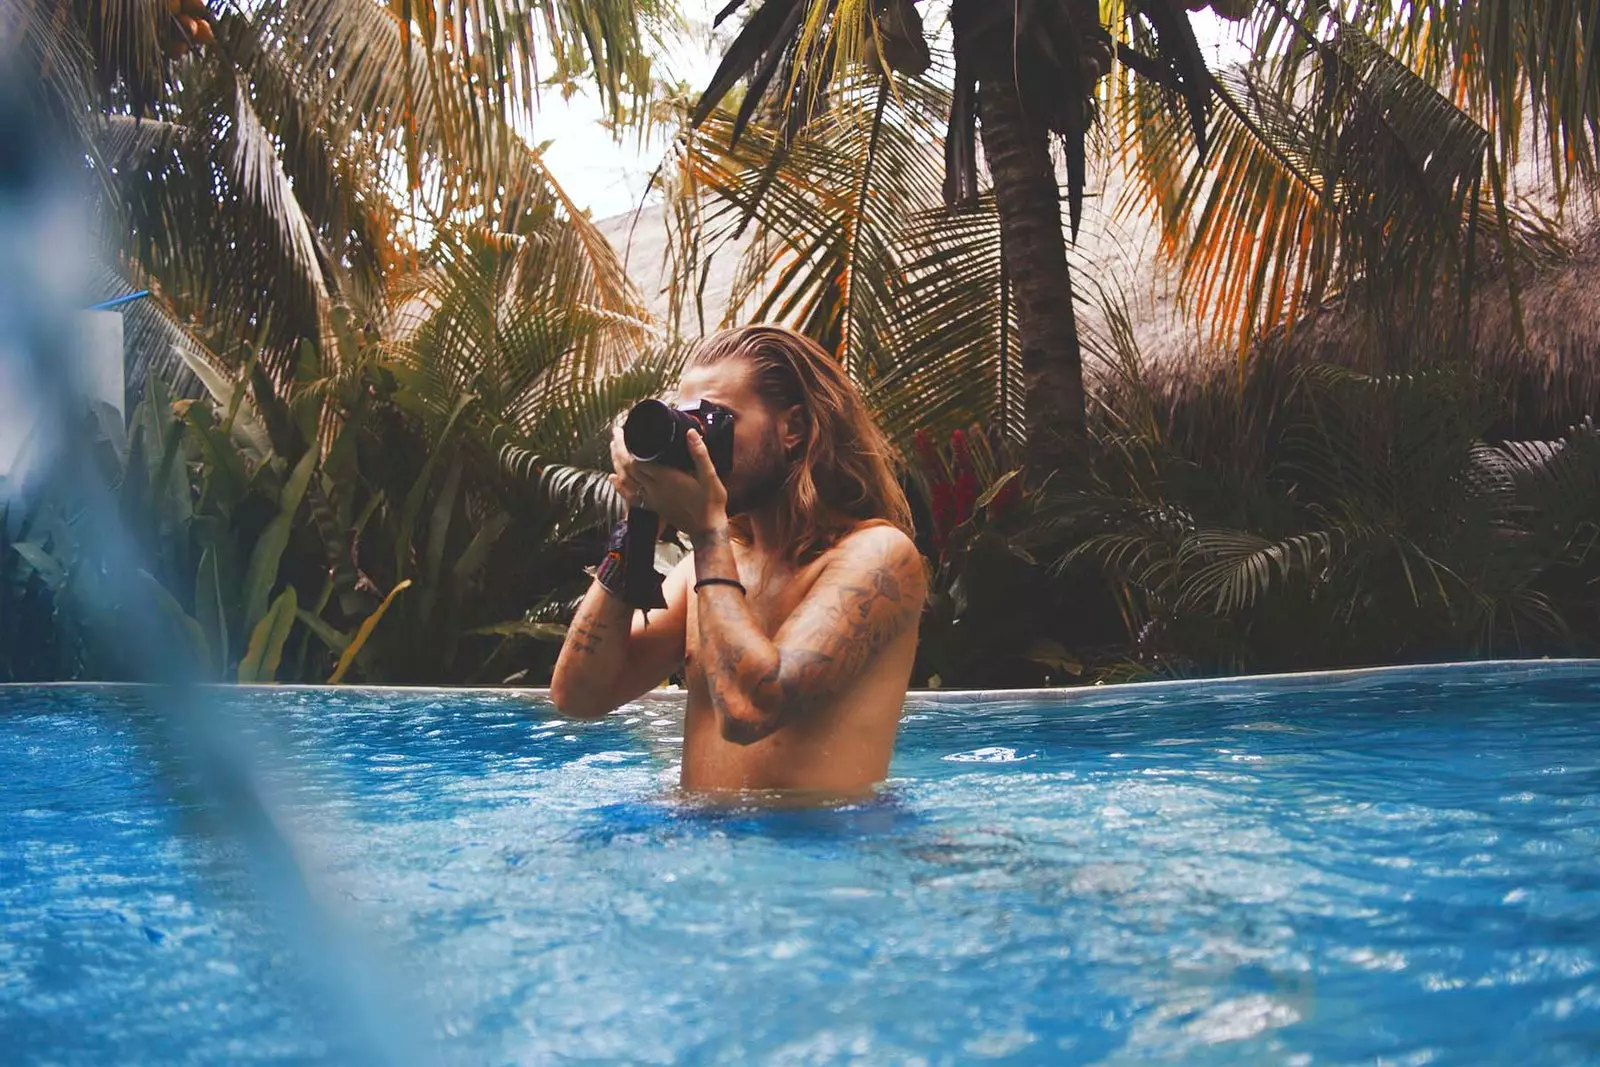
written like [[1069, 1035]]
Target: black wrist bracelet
[[702, 583]]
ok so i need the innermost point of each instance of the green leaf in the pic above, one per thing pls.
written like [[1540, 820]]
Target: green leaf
[[364, 632], [994, 490], [169, 481], [335, 640], [539, 631], [211, 609], [225, 481], [419, 491], [228, 395], [444, 509], [261, 658], [262, 574], [476, 554], [181, 621], [43, 563], [1051, 654]]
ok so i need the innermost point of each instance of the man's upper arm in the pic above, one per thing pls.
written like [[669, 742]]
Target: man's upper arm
[[656, 641], [869, 594]]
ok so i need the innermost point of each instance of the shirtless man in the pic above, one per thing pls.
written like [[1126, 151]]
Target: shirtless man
[[795, 682]]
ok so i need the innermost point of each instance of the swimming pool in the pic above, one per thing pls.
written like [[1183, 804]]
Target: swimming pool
[[1401, 864]]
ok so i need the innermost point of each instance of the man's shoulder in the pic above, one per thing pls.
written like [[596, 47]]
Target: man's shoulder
[[877, 538], [879, 549]]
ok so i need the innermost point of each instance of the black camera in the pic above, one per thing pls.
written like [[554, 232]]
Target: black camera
[[656, 433]]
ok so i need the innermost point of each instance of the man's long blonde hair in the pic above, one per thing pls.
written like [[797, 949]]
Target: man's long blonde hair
[[843, 473]]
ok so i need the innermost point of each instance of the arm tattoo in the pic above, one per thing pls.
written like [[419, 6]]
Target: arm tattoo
[[586, 637], [860, 621], [840, 629]]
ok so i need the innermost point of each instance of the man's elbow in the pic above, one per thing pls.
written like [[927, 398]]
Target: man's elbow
[[572, 703], [743, 722]]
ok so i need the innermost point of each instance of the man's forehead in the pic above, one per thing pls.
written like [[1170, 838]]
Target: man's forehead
[[723, 382]]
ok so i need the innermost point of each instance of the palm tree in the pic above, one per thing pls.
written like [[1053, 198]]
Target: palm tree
[[846, 238], [1376, 145], [354, 250], [263, 163], [1030, 71]]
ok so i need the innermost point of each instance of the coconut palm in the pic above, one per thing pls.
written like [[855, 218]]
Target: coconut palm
[[261, 163], [1363, 156], [845, 236], [1370, 145], [1031, 71], [318, 191]]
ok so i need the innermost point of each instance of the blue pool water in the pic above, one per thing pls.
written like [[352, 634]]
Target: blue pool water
[[1398, 866]]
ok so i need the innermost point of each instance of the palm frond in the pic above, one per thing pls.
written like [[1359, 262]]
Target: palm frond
[[851, 244], [955, 337], [499, 48], [560, 452], [1538, 59], [1330, 164], [1229, 570]]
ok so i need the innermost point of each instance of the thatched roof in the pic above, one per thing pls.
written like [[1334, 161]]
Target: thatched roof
[[1560, 314], [1552, 369], [1549, 368]]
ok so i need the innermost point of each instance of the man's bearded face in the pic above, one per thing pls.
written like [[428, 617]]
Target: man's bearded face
[[760, 468]]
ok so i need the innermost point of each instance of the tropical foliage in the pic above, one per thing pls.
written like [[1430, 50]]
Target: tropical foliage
[[1315, 516], [848, 241], [372, 388], [398, 344], [1371, 142]]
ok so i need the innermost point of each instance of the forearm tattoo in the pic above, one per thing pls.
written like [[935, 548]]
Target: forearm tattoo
[[585, 637]]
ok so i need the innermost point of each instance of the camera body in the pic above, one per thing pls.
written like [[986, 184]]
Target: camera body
[[655, 432]]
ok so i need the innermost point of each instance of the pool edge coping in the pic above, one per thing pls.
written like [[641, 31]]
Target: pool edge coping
[[1071, 693]]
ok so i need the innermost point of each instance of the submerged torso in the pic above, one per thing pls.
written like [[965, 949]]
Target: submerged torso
[[843, 747]]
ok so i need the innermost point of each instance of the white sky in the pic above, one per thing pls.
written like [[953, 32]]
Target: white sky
[[608, 177], [600, 173]]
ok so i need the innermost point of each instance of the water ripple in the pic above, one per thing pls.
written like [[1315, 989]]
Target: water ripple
[[1399, 867]]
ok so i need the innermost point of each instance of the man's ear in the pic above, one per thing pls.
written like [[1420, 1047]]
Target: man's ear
[[793, 428]]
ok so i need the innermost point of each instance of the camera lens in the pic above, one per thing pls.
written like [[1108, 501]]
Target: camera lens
[[649, 430]]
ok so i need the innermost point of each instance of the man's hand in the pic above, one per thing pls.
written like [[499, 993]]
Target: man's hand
[[694, 503]]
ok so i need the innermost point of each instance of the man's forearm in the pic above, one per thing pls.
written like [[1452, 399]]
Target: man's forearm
[[593, 655], [741, 665]]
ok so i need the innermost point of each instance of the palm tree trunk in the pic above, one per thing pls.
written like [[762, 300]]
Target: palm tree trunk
[[1029, 200]]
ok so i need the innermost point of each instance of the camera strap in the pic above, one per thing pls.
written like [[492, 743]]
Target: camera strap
[[629, 567]]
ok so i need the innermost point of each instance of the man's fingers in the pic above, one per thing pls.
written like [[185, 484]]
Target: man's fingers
[[704, 469], [619, 451]]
